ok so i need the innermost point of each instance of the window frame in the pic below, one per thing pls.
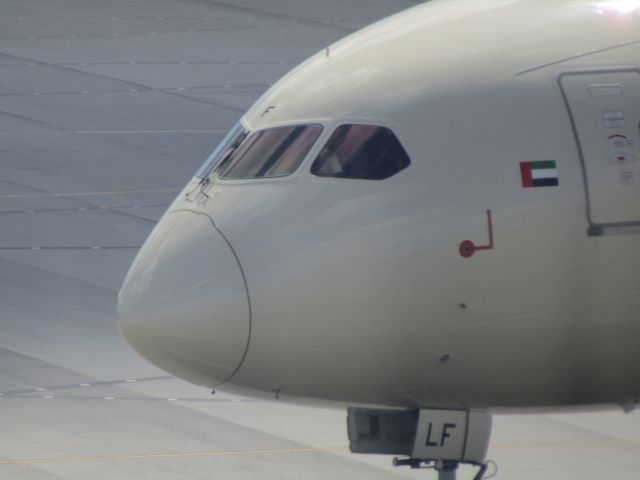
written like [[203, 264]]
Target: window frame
[[211, 165]]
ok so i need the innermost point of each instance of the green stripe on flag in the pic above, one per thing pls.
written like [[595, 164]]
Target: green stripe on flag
[[543, 164]]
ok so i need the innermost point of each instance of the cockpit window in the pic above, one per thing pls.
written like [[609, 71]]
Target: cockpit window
[[273, 152], [363, 152], [228, 144]]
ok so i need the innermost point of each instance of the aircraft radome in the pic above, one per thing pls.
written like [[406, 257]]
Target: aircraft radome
[[432, 220]]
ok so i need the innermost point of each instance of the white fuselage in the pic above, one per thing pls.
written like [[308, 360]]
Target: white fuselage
[[356, 290]]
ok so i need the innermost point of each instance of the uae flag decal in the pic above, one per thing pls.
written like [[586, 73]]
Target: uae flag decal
[[541, 173]]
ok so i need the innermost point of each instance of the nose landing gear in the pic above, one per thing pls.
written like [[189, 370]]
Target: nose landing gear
[[429, 438]]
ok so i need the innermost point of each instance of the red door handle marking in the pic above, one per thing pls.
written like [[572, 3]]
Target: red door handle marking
[[468, 248]]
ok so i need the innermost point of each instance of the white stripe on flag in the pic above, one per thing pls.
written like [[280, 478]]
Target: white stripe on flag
[[539, 173]]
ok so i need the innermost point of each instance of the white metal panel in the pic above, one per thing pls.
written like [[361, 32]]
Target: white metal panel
[[605, 110], [452, 435]]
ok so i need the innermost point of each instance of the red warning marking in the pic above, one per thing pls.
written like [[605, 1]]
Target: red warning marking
[[467, 248]]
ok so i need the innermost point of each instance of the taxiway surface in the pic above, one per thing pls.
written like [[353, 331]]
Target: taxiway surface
[[106, 110]]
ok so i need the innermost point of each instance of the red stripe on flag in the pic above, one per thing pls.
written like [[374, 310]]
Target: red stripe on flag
[[525, 171]]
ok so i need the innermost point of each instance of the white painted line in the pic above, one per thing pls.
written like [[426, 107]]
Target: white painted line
[[48, 397], [131, 380], [85, 384], [102, 132], [110, 132], [172, 399], [40, 389], [109, 398], [88, 194]]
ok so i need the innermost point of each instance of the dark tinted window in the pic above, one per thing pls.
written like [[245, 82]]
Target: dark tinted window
[[273, 152], [361, 151]]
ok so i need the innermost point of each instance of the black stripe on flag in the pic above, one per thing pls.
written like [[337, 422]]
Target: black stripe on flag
[[545, 182]]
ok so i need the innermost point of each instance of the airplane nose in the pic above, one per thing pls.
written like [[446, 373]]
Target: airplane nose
[[184, 304]]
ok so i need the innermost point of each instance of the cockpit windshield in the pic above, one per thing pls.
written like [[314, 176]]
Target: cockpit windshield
[[365, 152], [273, 152], [224, 149]]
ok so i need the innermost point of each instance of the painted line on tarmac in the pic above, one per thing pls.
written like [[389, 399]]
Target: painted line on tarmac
[[113, 132], [148, 456], [240, 453], [112, 209], [568, 444], [74, 247], [88, 194]]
